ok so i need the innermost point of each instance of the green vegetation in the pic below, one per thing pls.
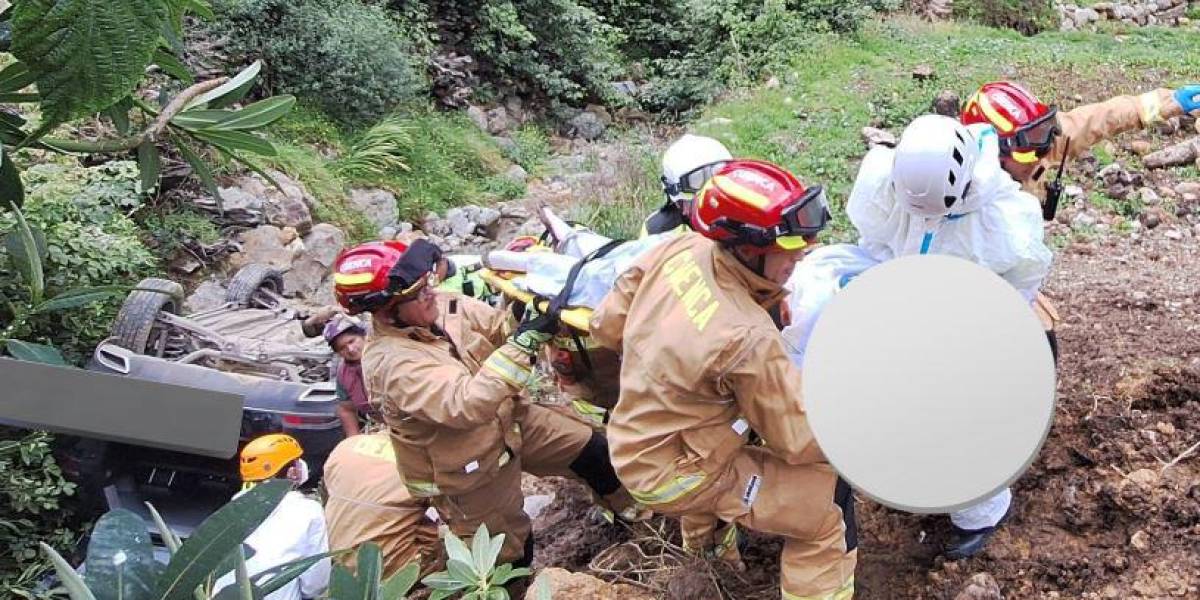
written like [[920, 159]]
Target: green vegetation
[[618, 211], [811, 122], [1026, 16]]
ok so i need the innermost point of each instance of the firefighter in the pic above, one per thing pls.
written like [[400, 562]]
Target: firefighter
[[367, 502], [448, 378], [711, 420], [686, 165]]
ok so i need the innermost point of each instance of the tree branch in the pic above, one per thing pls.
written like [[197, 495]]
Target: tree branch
[[150, 134]]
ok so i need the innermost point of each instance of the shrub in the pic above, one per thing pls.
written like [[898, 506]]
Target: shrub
[[32, 496], [90, 241], [349, 58], [1029, 17]]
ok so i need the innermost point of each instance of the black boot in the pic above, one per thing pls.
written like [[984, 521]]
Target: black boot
[[965, 543]]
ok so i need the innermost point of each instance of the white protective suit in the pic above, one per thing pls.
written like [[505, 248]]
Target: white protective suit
[[294, 530], [998, 226]]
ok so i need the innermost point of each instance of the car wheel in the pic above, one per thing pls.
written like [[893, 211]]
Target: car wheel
[[255, 286], [136, 326]]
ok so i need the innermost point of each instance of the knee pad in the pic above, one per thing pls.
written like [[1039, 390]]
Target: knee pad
[[594, 467], [843, 496]]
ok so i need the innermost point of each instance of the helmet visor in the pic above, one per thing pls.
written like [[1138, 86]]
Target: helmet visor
[[807, 217], [1033, 141], [692, 181]]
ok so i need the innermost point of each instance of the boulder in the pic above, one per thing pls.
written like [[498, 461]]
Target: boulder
[[466, 221], [947, 103], [516, 173], [311, 275], [208, 295], [1083, 16], [478, 117], [264, 245], [498, 121], [285, 206], [378, 205], [560, 583], [875, 137], [586, 126]]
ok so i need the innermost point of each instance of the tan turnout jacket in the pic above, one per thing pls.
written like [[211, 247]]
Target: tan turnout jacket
[[1091, 124], [451, 397], [709, 367]]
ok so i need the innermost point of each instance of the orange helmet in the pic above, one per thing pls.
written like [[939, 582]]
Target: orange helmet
[[1026, 126], [368, 276], [266, 456], [759, 206]]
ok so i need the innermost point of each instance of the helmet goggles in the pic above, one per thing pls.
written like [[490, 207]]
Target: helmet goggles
[[692, 181], [1033, 141], [798, 222]]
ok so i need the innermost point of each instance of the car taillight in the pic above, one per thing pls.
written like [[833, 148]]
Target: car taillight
[[299, 420]]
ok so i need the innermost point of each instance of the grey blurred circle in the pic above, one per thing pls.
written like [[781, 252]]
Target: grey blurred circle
[[929, 383]]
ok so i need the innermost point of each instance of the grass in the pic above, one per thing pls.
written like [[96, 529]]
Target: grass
[[811, 123], [618, 210]]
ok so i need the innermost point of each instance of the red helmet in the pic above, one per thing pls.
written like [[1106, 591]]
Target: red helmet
[[759, 206], [368, 276], [1026, 126]]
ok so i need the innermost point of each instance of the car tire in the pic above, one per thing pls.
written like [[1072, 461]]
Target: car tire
[[135, 323], [243, 290]]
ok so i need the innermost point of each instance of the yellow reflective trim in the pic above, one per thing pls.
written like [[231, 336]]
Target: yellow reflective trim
[[669, 492], [352, 278], [422, 489], [1151, 108], [791, 242], [504, 458], [846, 592], [375, 446], [1025, 157], [508, 370], [741, 192], [590, 412], [997, 119], [567, 343]]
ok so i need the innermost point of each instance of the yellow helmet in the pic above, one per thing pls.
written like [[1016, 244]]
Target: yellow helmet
[[266, 456]]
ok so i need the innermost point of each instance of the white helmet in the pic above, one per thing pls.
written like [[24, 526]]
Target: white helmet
[[933, 165], [688, 163]]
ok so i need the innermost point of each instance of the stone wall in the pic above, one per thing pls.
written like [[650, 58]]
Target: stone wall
[[1137, 13]]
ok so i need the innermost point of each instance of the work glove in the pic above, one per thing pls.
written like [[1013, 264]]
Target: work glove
[[1188, 97], [536, 329]]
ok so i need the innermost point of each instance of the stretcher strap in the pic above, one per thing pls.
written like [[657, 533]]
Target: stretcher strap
[[560, 301]]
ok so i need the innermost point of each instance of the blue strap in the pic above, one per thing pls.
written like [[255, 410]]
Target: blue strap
[[926, 241]]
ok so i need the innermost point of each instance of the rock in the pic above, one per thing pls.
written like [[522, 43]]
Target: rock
[[404, 227], [1117, 191], [498, 121], [388, 233], [554, 582], [1140, 540], [1083, 16], [460, 225], [1149, 197], [287, 235], [478, 117], [516, 110], [378, 205], [186, 264], [947, 103], [311, 275], [236, 198], [516, 173], [1187, 187], [1082, 220], [1103, 7], [1151, 219], [1167, 192], [208, 295], [981, 586], [264, 245], [1165, 428], [626, 87], [586, 126], [600, 112], [435, 225], [1073, 191], [772, 83], [535, 505], [507, 145], [1174, 234], [874, 137], [1141, 147], [466, 221], [286, 208], [923, 72]]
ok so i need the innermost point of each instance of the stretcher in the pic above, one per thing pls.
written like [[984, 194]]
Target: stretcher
[[578, 317]]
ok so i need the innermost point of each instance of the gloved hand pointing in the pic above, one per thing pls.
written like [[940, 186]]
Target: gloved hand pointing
[[1188, 97], [536, 329]]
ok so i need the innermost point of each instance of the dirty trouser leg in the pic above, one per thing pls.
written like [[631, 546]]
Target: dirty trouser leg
[[985, 514], [802, 503], [497, 503], [553, 444], [709, 535]]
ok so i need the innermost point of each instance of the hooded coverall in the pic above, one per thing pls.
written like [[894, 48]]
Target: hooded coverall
[[1085, 127], [703, 365], [462, 432], [369, 503]]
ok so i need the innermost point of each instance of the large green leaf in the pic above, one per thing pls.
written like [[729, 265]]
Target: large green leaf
[[259, 114], [230, 91], [168, 536], [26, 252], [148, 165], [38, 353], [119, 114], [120, 559], [461, 571], [276, 577], [237, 140], [481, 550], [12, 191], [86, 54], [80, 297], [172, 66], [200, 118], [364, 586], [398, 585], [10, 128], [456, 549], [70, 579], [216, 537], [201, 170], [16, 77]]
